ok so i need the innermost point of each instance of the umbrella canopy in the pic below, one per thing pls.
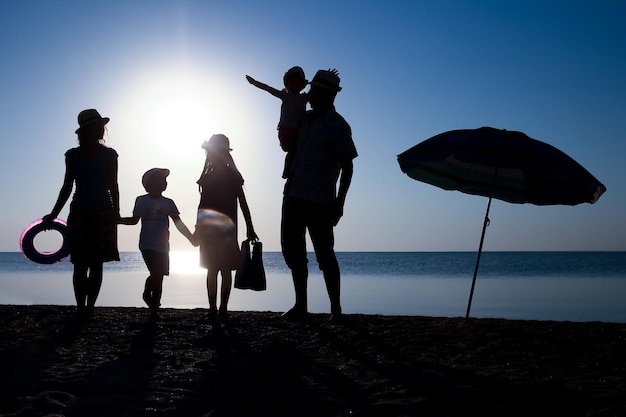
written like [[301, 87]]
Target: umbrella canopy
[[502, 164]]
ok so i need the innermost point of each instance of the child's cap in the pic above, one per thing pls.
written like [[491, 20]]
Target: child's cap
[[296, 71], [219, 141], [153, 174]]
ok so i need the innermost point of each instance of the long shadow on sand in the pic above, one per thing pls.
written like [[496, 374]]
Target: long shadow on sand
[[127, 378], [255, 364], [318, 369]]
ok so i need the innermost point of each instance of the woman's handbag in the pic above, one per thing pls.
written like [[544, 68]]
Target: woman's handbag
[[251, 274]]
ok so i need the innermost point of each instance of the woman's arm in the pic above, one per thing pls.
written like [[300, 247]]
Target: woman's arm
[[130, 221], [245, 210], [113, 185], [64, 193]]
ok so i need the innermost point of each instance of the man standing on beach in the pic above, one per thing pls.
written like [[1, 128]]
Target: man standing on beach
[[311, 199]]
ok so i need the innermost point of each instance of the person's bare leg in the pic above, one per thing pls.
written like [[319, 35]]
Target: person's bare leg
[[299, 312], [79, 280], [211, 286], [156, 289], [94, 283], [227, 283], [147, 294]]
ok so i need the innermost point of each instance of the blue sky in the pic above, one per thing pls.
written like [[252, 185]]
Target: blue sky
[[171, 73]]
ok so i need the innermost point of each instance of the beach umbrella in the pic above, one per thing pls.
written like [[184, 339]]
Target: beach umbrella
[[502, 164]]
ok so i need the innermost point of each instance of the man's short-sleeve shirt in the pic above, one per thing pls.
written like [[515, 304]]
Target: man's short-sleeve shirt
[[324, 143]]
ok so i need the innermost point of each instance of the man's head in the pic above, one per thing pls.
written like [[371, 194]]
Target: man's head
[[324, 88]]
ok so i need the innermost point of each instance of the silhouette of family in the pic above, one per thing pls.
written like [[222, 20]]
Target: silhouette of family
[[317, 170]]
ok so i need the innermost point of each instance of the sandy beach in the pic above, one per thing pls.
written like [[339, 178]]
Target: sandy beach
[[256, 364]]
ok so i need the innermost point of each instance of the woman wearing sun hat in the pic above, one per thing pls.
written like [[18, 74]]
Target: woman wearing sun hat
[[221, 188], [94, 208]]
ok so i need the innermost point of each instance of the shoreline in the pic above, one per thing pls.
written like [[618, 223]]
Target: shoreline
[[575, 299], [256, 364]]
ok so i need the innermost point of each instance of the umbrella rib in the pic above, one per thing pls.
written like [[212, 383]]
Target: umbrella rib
[[464, 185]]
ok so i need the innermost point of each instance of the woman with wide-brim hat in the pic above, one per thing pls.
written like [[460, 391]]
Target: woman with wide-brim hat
[[94, 209]]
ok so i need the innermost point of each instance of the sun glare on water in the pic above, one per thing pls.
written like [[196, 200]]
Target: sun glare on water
[[185, 263]]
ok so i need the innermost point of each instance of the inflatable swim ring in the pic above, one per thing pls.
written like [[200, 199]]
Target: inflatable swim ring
[[27, 244]]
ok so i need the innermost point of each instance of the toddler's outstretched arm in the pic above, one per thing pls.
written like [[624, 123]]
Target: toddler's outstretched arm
[[258, 84]]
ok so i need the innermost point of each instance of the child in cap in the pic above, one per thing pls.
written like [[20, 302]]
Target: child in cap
[[154, 210], [292, 109]]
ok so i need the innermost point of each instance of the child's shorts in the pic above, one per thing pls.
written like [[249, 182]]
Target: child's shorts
[[158, 263]]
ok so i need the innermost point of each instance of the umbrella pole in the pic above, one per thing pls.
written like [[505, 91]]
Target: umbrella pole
[[480, 249]]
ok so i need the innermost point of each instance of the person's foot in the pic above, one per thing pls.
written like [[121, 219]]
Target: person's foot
[[335, 313], [295, 314], [336, 318], [223, 312], [212, 312]]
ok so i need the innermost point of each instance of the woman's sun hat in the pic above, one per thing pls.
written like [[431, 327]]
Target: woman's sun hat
[[90, 116], [218, 142]]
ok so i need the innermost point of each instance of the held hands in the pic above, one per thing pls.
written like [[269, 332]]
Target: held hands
[[195, 239]]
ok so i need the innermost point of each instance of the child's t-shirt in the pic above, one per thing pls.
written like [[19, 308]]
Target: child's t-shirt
[[292, 110], [154, 214]]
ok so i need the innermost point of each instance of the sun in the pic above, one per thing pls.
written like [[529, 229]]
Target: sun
[[179, 119], [171, 111], [178, 112], [165, 113]]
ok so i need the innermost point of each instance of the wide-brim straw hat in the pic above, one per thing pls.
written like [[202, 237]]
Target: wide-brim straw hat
[[218, 142], [90, 116]]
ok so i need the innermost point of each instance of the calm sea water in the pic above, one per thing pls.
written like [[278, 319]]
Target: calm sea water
[[576, 286]]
